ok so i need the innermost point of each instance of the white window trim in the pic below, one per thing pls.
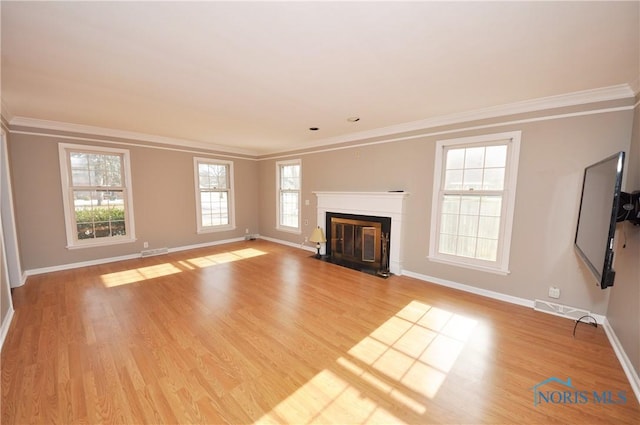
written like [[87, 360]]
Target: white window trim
[[232, 210], [72, 241], [297, 230], [501, 265]]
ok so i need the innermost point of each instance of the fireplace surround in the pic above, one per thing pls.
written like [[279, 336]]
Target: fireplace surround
[[388, 205]]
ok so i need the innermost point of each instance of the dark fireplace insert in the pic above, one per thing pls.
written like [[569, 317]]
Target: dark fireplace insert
[[359, 242]]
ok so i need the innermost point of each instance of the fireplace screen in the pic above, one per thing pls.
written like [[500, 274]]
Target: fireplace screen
[[356, 240]]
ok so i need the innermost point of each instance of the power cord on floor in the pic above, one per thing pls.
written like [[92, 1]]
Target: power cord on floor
[[594, 323]]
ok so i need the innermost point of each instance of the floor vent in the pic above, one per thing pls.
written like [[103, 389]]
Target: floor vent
[[152, 252], [559, 309]]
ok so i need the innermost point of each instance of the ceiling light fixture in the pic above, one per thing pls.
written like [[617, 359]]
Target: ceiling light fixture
[[313, 128]]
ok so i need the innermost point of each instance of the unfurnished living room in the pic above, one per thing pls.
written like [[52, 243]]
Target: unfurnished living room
[[320, 212]]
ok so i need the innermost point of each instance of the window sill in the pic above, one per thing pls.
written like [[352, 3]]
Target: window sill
[[293, 230], [101, 243], [215, 229], [495, 270]]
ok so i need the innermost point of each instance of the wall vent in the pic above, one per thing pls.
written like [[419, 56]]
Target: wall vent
[[152, 252], [559, 309]]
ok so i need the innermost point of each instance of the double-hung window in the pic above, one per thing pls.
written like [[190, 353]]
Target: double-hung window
[[473, 201], [96, 186], [214, 195], [289, 184]]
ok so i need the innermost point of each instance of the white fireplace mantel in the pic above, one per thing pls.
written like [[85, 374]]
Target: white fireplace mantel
[[381, 204]]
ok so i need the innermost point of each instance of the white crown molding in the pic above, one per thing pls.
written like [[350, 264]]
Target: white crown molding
[[121, 134], [617, 92], [610, 93]]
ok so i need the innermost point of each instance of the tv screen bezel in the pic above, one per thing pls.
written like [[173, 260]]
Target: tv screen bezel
[[603, 272]]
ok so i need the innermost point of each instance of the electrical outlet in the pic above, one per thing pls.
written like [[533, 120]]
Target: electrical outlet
[[306, 221], [246, 231], [554, 292], [306, 239], [145, 244]]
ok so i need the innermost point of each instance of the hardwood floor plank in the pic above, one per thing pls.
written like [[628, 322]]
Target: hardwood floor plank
[[256, 332]]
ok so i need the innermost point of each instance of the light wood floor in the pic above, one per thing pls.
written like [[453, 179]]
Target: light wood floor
[[258, 332]]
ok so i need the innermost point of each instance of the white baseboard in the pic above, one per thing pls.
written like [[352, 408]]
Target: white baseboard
[[472, 289], [287, 243], [624, 360], [69, 266], [6, 323], [96, 262]]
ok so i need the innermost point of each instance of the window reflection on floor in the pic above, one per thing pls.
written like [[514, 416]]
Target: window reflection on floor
[[402, 362]]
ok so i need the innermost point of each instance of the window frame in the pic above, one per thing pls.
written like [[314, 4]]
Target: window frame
[[64, 154], [231, 225], [508, 193], [279, 226]]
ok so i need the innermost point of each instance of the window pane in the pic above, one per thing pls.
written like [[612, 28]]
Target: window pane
[[470, 205], [79, 169], [455, 159], [453, 179], [95, 169], [289, 209], [214, 208], [99, 213], [474, 158], [496, 156], [212, 176], [451, 204], [493, 179], [472, 179], [487, 249], [449, 224], [290, 177], [491, 206], [447, 244], [466, 246], [489, 227], [468, 225]]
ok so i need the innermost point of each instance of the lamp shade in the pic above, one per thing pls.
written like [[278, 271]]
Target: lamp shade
[[317, 235]]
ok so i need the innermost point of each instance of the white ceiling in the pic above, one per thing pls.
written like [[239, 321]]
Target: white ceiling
[[254, 76]]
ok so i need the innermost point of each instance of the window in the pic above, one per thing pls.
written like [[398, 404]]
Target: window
[[473, 201], [288, 188], [96, 187], [214, 195]]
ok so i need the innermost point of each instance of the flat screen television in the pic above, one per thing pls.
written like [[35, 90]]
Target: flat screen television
[[597, 217]]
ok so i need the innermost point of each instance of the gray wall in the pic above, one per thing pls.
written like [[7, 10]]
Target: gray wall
[[163, 201], [553, 154], [623, 312]]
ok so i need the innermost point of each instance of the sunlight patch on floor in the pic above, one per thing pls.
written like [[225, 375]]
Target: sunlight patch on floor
[[126, 277], [224, 257], [400, 363], [139, 274]]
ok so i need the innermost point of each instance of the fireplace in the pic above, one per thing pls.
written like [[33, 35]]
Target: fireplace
[[358, 241], [372, 204]]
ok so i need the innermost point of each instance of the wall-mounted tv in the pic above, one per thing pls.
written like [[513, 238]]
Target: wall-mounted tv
[[597, 217]]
